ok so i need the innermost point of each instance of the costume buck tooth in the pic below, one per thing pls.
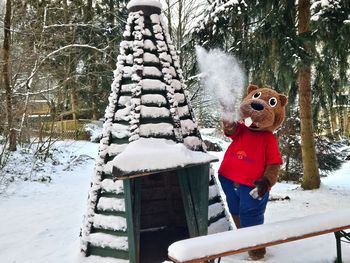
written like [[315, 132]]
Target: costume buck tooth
[[248, 121]]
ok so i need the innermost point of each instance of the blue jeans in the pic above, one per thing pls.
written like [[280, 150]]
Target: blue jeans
[[249, 210]]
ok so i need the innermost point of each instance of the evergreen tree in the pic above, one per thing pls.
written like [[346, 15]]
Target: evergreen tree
[[261, 34], [331, 28], [264, 36]]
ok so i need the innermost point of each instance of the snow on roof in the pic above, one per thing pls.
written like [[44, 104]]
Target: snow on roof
[[153, 154], [154, 3]]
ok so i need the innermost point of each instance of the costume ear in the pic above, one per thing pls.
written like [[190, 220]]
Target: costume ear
[[251, 87], [283, 99]]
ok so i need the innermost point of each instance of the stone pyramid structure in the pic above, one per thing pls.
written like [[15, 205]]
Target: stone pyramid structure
[[149, 127]]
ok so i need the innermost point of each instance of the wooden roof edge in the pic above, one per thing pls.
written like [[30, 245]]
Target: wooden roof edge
[[119, 174]]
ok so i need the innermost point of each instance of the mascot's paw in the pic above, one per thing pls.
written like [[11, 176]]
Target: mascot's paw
[[262, 185], [229, 127]]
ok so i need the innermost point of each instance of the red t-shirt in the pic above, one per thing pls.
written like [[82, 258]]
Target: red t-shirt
[[248, 154]]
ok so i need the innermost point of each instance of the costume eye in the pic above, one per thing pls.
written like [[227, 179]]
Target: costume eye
[[273, 102], [257, 95]]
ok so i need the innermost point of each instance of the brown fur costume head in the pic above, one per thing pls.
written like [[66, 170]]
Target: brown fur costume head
[[263, 109]]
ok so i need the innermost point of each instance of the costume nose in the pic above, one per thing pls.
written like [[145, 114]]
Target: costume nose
[[257, 106]]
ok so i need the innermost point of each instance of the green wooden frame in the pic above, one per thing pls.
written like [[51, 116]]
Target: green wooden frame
[[194, 187], [132, 189]]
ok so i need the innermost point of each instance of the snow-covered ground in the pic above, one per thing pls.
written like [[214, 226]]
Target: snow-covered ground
[[40, 222]]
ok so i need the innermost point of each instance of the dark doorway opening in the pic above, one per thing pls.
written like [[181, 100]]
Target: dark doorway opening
[[163, 218]]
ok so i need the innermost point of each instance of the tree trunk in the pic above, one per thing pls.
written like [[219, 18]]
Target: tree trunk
[[346, 123], [6, 76], [169, 17], [180, 33], [340, 114], [111, 13], [334, 124], [24, 138], [74, 102], [94, 79], [94, 84], [311, 178]]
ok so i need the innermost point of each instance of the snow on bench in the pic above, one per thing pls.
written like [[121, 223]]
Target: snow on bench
[[204, 248]]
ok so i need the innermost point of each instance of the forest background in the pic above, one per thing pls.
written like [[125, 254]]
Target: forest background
[[58, 56]]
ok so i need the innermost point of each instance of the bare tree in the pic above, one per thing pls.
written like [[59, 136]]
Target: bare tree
[[65, 54], [182, 16], [6, 79]]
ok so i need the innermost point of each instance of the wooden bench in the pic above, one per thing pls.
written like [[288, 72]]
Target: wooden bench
[[206, 248]]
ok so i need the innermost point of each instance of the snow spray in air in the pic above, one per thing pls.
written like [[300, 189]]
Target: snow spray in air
[[223, 75]]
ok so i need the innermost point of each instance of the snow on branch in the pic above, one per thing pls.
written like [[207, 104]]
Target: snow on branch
[[218, 9], [72, 25], [40, 91], [38, 65], [54, 26], [320, 7], [73, 46]]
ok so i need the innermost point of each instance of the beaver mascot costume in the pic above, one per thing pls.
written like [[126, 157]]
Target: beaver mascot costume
[[252, 161]]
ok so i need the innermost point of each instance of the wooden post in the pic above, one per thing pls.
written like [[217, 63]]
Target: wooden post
[[133, 211], [137, 215], [188, 203], [199, 182], [194, 186]]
